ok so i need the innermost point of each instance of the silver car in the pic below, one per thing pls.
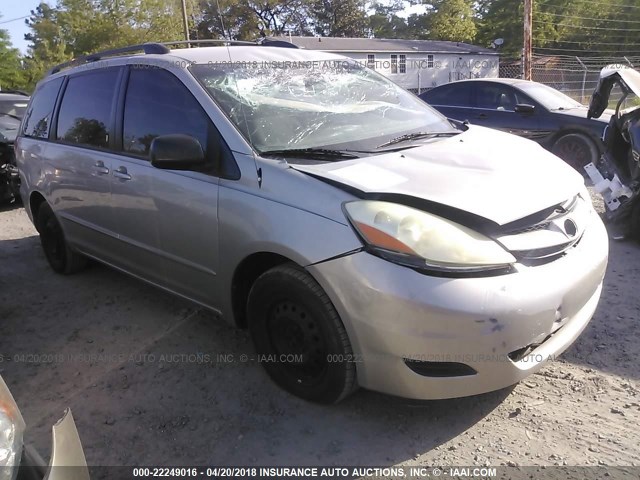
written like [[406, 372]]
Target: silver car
[[360, 236]]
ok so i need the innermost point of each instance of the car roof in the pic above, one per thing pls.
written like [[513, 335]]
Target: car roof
[[506, 81], [13, 96], [241, 53], [184, 57]]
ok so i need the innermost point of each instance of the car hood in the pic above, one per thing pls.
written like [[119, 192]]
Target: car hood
[[491, 174], [609, 76], [583, 112]]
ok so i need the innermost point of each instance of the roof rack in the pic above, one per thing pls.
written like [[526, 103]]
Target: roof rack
[[272, 42], [212, 40], [160, 49], [147, 48], [263, 42]]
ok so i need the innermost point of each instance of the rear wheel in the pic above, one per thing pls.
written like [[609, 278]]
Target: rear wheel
[[576, 149], [61, 258], [299, 336]]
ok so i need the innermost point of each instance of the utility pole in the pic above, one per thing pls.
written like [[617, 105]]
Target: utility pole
[[185, 21], [528, 28]]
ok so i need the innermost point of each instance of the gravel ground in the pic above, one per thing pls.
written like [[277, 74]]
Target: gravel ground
[[130, 362]]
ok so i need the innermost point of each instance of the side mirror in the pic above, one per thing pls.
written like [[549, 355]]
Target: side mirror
[[176, 152], [524, 108]]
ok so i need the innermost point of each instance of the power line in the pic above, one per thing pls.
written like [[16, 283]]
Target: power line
[[570, 60], [618, 5], [584, 50], [14, 19], [586, 27], [598, 43], [573, 57], [592, 18]]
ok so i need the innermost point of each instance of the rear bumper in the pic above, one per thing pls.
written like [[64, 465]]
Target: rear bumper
[[393, 313]]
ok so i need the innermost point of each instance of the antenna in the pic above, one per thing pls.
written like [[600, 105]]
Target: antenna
[[224, 30]]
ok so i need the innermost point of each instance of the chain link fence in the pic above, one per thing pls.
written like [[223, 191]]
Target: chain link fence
[[574, 76]]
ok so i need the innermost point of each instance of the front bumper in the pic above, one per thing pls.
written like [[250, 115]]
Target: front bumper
[[393, 313]]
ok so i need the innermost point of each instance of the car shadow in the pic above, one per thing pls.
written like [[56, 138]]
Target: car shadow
[[5, 207], [152, 379]]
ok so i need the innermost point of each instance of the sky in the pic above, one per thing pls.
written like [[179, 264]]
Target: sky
[[14, 12], [14, 9]]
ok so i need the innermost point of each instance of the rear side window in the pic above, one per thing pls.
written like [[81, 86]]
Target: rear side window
[[157, 103], [85, 111], [454, 95], [37, 120]]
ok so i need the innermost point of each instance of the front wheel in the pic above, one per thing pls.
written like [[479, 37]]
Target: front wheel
[[576, 149], [61, 258], [299, 337]]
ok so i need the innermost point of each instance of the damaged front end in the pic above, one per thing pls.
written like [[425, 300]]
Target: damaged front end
[[616, 175]]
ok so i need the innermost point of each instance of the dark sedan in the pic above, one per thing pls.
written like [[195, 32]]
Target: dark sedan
[[528, 109], [12, 107]]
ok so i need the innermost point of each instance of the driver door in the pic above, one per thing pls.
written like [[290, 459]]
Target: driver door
[[496, 108], [167, 220]]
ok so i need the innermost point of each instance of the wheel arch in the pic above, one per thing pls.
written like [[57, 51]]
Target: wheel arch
[[36, 199], [245, 274], [577, 129]]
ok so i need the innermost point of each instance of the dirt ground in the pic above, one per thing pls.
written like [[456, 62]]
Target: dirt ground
[[151, 381]]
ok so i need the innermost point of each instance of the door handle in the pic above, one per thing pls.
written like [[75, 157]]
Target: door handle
[[121, 173], [100, 168], [482, 115]]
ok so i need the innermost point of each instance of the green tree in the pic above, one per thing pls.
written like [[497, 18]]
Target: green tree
[[452, 20], [418, 25], [226, 19], [563, 27], [385, 21], [501, 19], [47, 47], [338, 18], [577, 27], [79, 27], [249, 20], [276, 17], [11, 72]]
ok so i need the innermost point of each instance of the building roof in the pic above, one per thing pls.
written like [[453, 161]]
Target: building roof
[[373, 45]]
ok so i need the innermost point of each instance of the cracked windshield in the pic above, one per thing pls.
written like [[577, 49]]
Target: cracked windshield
[[326, 104]]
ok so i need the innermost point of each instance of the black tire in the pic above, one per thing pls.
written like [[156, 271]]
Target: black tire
[[61, 258], [290, 314], [577, 150]]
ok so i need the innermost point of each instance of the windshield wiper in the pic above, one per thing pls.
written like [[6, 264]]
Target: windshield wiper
[[320, 153], [417, 135]]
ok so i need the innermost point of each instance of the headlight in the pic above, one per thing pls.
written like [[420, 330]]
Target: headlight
[[11, 431], [421, 240]]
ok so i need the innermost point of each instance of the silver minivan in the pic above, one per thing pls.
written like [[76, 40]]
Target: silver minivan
[[361, 237]]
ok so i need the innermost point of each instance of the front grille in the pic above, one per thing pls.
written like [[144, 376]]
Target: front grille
[[532, 228], [542, 253], [547, 238]]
